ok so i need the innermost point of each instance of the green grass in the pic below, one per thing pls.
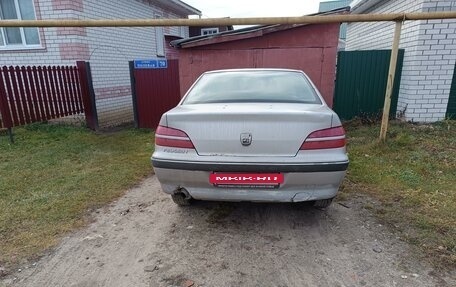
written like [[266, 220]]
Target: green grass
[[54, 174], [413, 176]]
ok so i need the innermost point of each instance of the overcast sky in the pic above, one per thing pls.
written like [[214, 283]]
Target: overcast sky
[[254, 8]]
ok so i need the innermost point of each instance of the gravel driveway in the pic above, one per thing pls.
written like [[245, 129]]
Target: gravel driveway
[[143, 239]]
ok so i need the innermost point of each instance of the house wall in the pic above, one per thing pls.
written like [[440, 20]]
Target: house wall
[[107, 49], [52, 39], [331, 5], [171, 52], [430, 53], [311, 48], [112, 48]]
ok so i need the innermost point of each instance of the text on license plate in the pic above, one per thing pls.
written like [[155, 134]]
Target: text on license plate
[[246, 178]]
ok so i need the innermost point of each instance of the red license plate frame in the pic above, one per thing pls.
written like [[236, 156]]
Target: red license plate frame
[[246, 179]]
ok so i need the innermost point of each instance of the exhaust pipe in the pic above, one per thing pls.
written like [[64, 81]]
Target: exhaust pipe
[[181, 197], [183, 192]]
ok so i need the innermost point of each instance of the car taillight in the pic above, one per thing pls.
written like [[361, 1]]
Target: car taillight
[[324, 139], [172, 138]]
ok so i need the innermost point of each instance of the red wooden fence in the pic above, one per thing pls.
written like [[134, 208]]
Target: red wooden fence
[[36, 94]]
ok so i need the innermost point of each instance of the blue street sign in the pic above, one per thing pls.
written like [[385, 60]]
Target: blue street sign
[[162, 63], [151, 64]]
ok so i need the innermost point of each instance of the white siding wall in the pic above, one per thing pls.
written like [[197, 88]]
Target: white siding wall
[[429, 55], [112, 48]]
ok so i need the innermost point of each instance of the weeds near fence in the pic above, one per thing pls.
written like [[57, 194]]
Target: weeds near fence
[[412, 176]]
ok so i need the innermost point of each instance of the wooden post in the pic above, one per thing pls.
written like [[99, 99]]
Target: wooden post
[[390, 83]]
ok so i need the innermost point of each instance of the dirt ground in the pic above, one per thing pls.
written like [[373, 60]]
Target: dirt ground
[[143, 239]]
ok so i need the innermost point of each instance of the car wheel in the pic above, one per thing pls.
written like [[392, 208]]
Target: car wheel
[[323, 203], [181, 199]]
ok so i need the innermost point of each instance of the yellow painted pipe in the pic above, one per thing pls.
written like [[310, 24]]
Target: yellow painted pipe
[[229, 21]]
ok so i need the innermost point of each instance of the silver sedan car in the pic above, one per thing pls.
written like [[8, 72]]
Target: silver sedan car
[[261, 135]]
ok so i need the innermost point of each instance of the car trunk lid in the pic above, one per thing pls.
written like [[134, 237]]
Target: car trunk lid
[[249, 129]]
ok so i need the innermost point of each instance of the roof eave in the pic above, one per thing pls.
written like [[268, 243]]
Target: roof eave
[[360, 6], [248, 32], [181, 7]]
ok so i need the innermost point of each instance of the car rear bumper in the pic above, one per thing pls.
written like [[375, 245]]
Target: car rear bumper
[[302, 182], [250, 167]]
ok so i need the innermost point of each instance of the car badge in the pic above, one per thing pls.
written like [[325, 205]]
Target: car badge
[[246, 139]]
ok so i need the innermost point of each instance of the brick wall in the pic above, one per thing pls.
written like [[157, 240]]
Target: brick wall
[[430, 53], [437, 53], [53, 40]]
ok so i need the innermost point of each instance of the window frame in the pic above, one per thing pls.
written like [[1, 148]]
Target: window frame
[[159, 38], [24, 45]]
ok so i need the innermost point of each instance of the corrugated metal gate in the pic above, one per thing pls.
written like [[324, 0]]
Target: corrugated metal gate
[[451, 109], [361, 83], [154, 91]]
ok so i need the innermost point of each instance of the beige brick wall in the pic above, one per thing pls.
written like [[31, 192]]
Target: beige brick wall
[[52, 40]]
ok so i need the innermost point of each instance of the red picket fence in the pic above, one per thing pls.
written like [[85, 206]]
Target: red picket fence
[[36, 94]]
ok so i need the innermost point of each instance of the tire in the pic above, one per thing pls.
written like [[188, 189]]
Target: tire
[[324, 203], [181, 200]]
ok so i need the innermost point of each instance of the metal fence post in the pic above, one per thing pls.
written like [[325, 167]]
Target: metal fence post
[[5, 115], [131, 64], [88, 94], [11, 135]]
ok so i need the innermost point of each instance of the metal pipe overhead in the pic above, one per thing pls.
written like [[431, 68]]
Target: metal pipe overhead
[[399, 18], [230, 21]]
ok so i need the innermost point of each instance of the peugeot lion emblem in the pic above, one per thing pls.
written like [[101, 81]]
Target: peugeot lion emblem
[[246, 139]]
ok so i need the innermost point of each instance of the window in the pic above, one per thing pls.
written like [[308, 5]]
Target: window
[[12, 37], [252, 87], [209, 31]]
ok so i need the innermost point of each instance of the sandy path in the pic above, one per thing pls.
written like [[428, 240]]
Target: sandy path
[[145, 240]]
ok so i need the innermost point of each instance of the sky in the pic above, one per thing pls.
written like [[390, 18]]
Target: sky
[[254, 8]]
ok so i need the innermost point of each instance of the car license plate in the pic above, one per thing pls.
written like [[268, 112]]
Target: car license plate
[[246, 179]]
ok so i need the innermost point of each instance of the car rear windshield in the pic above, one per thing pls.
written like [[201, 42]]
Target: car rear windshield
[[248, 86]]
